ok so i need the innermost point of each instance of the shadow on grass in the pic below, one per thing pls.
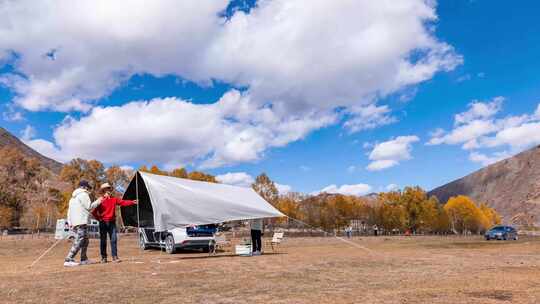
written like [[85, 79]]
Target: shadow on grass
[[175, 257]]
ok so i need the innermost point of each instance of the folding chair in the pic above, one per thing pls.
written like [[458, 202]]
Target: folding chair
[[276, 240]]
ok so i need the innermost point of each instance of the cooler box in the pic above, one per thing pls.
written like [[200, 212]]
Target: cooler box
[[243, 250]]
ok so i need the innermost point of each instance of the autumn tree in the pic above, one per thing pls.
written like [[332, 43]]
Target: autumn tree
[[155, 170], [179, 172], [464, 215], [491, 216], [117, 177], [200, 176], [23, 185], [78, 169], [266, 188]]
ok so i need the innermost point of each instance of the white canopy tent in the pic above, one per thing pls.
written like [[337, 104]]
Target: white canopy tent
[[166, 202]]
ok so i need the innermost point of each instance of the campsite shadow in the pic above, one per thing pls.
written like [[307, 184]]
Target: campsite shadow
[[219, 255]]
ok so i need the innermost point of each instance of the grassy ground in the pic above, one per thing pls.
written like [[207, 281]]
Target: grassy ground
[[308, 270]]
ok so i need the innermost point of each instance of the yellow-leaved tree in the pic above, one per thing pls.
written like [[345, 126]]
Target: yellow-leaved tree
[[464, 215]]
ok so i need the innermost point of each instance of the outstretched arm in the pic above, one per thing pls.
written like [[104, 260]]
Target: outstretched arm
[[96, 203], [125, 203], [87, 203]]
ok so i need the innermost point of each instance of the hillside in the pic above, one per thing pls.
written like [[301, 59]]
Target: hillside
[[511, 186], [8, 140]]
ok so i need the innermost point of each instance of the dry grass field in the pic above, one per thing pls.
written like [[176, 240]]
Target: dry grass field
[[308, 270]]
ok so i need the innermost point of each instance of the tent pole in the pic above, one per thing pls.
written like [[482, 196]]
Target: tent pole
[[138, 202]]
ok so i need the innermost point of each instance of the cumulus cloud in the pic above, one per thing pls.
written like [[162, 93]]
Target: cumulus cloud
[[172, 130], [283, 189], [478, 128], [389, 153], [369, 117], [356, 189], [486, 160], [71, 54], [480, 110], [241, 179], [28, 133], [392, 187]]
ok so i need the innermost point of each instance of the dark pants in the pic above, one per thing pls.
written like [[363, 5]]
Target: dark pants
[[110, 229], [256, 240]]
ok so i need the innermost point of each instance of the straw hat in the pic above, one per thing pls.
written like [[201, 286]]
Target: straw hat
[[105, 186]]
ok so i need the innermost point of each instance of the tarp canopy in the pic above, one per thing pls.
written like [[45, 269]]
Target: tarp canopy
[[166, 202]]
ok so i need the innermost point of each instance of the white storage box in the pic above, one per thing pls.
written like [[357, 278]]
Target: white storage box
[[243, 250]]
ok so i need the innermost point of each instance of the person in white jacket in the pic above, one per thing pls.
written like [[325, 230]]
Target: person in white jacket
[[78, 217]]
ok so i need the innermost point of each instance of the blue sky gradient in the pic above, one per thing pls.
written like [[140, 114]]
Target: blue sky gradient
[[500, 46]]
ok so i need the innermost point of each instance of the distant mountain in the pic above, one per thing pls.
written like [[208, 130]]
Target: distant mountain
[[9, 140], [511, 186]]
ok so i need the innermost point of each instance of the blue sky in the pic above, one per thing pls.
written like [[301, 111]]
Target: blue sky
[[484, 68]]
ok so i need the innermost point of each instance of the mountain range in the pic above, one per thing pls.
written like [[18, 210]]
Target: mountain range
[[511, 186], [9, 140]]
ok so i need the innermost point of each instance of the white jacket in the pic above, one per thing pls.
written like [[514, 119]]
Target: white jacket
[[80, 207]]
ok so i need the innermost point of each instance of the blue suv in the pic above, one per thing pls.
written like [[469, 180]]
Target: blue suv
[[501, 233]]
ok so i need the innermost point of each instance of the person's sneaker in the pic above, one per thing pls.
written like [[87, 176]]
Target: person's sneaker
[[85, 262], [70, 264], [104, 261], [256, 253], [116, 260]]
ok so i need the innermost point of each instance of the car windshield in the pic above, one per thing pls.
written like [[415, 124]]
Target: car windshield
[[498, 229]]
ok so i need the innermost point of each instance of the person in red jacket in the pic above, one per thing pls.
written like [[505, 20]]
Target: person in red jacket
[[106, 215]]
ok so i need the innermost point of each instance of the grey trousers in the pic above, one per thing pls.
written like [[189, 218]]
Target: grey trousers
[[80, 243]]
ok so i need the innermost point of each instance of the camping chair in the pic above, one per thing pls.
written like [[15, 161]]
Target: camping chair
[[220, 241], [276, 241]]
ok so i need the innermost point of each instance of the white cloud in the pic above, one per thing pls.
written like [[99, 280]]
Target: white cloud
[[241, 179], [28, 133], [465, 133], [464, 78], [370, 49], [368, 117], [171, 130], [378, 165], [517, 137], [480, 110], [127, 168], [479, 128], [486, 160], [71, 54], [389, 153], [283, 189], [47, 148], [392, 187], [356, 189]]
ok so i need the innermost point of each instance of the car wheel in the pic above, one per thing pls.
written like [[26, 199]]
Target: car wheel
[[516, 238], [142, 243], [169, 244], [504, 237], [487, 238]]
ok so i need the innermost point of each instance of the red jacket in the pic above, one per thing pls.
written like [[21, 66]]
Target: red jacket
[[106, 211]]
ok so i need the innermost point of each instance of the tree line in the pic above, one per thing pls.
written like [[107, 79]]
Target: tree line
[[30, 197]]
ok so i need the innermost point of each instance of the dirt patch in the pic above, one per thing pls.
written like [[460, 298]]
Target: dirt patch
[[306, 270], [501, 295]]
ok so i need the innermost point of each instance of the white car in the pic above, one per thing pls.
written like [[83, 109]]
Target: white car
[[64, 232], [186, 237]]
